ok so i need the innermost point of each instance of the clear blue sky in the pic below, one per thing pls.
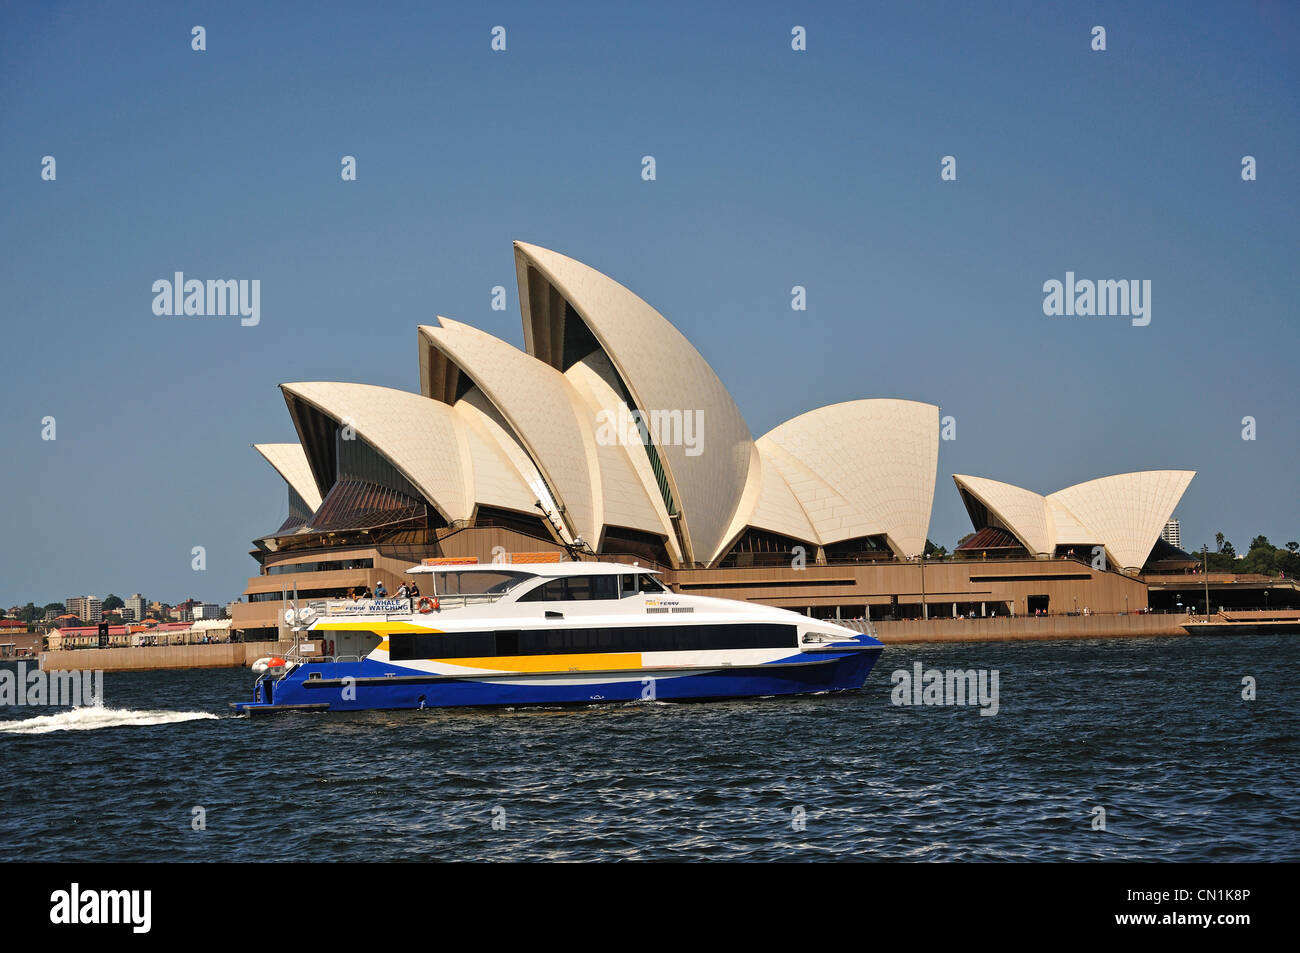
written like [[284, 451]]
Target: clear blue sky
[[775, 168]]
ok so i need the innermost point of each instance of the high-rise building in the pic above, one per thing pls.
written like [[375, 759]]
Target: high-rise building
[[1170, 533], [86, 608], [137, 605]]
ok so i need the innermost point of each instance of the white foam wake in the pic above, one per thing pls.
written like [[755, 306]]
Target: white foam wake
[[86, 719]]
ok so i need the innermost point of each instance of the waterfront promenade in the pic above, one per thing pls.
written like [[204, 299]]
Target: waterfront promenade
[[1038, 628]]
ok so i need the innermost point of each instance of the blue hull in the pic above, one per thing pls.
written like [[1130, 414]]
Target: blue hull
[[371, 685]]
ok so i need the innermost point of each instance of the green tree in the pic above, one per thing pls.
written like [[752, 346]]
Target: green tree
[[112, 602], [1262, 557], [1289, 562], [1222, 559], [58, 607]]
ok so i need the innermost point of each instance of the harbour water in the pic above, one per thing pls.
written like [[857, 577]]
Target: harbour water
[[1153, 731]]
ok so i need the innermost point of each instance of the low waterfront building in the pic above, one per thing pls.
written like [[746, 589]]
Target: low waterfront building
[[132, 636]]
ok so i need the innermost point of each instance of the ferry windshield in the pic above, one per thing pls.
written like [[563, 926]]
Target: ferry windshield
[[642, 582]]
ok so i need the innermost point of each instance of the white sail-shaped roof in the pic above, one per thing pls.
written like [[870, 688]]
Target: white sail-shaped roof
[[503, 475], [1019, 511], [1123, 513], [1064, 528], [552, 418], [541, 409], [861, 468], [630, 495], [290, 461], [662, 372], [417, 435], [768, 503], [1126, 511]]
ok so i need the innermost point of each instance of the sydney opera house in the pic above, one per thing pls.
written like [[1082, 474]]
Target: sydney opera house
[[611, 436]]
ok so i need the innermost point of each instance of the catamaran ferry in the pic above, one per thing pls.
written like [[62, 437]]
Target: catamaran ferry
[[551, 634]]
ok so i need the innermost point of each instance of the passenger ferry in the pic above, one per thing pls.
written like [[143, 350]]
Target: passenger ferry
[[551, 634]]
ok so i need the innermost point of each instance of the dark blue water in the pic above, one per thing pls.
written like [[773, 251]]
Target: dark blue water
[[1153, 730]]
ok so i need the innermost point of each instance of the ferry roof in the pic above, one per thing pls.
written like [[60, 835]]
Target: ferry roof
[[538, 569]]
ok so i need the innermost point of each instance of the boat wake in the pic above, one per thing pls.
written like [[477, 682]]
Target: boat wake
[[87, 719]]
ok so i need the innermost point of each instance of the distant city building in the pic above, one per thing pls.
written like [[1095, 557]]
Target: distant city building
[[1170, 534], [86, 608], [205, 610], [51, 615], [138, 606]]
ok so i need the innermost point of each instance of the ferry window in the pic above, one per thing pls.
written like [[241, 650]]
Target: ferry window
[[648, 583], [549, 591], [453, 583], [581, 588]]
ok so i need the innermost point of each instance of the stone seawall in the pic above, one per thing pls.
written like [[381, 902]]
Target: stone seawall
[[224, 655], [1026, 628]]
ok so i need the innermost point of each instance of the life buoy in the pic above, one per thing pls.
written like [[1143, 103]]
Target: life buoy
[[425, 605]]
